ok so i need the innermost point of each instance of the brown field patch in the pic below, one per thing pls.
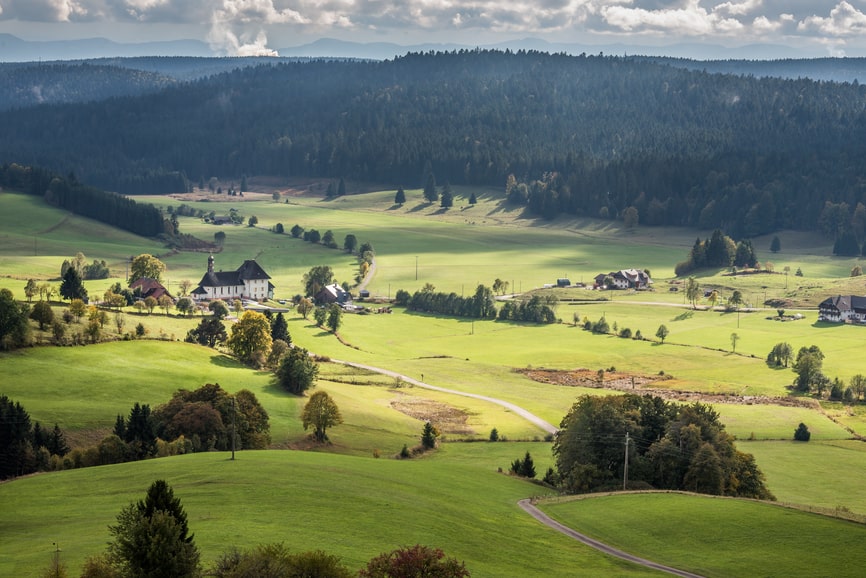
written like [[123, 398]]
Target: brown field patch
[[447, 419]]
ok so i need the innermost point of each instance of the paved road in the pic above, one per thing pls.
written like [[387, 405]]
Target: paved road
[[529, 508], [506, 404]]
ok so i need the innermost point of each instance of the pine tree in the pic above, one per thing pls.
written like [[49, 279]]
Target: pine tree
[[428, 436], [400, 197]]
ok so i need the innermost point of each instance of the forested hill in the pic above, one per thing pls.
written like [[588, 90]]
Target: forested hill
[[681, 146]]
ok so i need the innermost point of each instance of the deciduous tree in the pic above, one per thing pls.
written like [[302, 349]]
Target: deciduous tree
[[250, 339], [297, 371], [146, 266], [316, 278], [42, 314], [321, 413]]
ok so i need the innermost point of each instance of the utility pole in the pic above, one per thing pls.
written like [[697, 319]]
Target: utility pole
[[625, 470], [233, 428]]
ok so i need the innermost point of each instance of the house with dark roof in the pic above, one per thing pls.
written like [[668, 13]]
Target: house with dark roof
[[145, 287], [332, 293], [249, 281], [843, 309]]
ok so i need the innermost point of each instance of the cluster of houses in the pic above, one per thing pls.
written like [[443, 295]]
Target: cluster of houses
[[624, 279]]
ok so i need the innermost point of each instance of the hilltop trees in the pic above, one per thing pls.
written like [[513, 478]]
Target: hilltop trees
[[671, 446]]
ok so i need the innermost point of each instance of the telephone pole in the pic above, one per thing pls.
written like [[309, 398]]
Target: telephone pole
[[625, 470], [233, 428]]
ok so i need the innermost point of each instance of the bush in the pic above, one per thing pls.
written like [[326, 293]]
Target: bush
[[625, 333], [494, 435], [414, 561], [802, 433]]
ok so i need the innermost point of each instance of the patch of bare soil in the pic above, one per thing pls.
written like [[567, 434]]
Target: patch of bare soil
[[446, 418], [644, 384]]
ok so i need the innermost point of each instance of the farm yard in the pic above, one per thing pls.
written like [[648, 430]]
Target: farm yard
[[351, 497]]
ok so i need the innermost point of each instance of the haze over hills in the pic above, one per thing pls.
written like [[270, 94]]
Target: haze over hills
[[15, 49]]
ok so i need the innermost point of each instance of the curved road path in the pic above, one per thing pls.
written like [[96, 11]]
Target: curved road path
[[529, 508], [526, 504], [506, 404]]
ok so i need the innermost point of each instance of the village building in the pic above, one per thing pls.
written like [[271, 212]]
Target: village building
[[145, 287], [249, 281], [625, 279], [843, 309], [332, 293]]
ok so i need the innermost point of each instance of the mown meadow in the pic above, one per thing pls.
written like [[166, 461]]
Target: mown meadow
[[343, 499]]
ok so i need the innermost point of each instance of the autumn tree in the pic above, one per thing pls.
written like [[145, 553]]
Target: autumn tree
[[250, 339], [146, 266], [321, 413], [414, 561], [693, 291]]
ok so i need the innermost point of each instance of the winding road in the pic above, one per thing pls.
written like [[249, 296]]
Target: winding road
[[527, 504]]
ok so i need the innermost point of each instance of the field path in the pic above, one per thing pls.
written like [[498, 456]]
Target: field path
[[506, 404], [530, 509]]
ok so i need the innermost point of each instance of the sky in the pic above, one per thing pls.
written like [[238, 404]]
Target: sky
[[259, 27]]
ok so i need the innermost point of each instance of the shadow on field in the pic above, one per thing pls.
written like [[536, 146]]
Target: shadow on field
[[684, 315], [225, 361]]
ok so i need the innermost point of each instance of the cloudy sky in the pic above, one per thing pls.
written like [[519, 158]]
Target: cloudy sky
[[828, 27]]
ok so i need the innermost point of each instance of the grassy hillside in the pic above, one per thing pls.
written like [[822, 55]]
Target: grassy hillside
[[352, 507]]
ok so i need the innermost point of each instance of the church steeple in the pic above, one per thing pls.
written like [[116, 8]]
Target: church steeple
[[210, 264]]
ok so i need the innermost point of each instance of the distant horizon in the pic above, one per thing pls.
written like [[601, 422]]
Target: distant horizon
[[743, 28], [19, 49]]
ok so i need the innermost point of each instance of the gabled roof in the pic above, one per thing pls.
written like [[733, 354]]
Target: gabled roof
[[149, 287], [251, 270], [248, 271], [845, 303]]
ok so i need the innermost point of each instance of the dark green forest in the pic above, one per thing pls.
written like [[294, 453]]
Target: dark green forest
[[582, 135]]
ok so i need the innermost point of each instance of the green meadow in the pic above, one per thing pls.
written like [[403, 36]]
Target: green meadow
[[716, 536], [342, 499]]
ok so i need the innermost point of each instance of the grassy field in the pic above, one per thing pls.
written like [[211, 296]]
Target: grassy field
[[84, 388], [352, 507], [717, 536]]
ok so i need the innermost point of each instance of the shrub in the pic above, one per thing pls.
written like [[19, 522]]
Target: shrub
[[412, 561], [802, 433], [494, 435], [625, 333]]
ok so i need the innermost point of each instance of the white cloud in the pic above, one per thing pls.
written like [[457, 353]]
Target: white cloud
[[244, 26], [844, 21]]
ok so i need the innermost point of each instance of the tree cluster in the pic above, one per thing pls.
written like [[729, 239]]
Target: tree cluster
[[670, 446], [481, 305], [208, 416], [536, 309], [719, 251], [14, 327], [25, 446]]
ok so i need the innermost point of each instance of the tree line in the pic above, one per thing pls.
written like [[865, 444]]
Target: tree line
[[598, 134], [68, 193]]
